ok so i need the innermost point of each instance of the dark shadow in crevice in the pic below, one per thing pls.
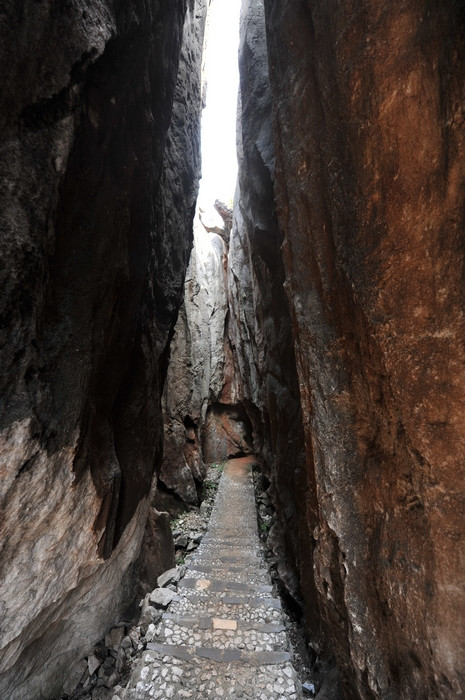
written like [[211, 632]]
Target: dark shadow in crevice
[[167, 500]]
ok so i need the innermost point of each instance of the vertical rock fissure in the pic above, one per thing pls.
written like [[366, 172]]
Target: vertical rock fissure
[[232, 369]]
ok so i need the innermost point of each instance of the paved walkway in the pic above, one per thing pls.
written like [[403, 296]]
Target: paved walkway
[[223, 636]]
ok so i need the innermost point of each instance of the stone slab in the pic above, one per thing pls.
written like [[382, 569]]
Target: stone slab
[[223, 656], [221, 624]]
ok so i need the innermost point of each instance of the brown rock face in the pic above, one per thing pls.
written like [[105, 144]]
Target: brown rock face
[[260, 323], [227, 433], [368, 121], [91, 270]]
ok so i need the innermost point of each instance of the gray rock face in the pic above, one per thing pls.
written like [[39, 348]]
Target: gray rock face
[[197, 364], [203, 421], [157, 550], [227, 432], [90, 275]]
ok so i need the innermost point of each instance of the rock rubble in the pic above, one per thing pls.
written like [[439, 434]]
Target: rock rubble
[[103, 674]]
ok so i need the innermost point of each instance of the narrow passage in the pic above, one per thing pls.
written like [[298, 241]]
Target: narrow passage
[[223, 635]]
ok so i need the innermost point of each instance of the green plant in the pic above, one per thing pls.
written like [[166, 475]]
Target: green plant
[[209, 486]]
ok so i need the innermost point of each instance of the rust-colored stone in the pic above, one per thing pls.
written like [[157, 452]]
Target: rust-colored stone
[[227, 433], [370, 175]]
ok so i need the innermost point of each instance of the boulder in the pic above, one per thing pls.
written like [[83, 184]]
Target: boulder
[[170, 576]]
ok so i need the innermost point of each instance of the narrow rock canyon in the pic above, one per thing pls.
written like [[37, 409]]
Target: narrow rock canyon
[[317, 325]]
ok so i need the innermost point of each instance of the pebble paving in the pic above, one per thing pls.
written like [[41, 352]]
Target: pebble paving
[[223, 635]]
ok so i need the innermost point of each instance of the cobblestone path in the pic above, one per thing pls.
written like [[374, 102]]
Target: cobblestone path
[[223, 636]]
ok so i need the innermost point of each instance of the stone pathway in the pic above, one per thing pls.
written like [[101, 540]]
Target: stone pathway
[[223, 636]]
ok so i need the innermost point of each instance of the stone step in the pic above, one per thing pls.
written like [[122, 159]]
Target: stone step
[[218, 586], [223, 656], [222, 633], [231, 542], [218, 557], [210, 623], [263, 610], [161, 676], [241, 575], [219, 549], [197, 564]]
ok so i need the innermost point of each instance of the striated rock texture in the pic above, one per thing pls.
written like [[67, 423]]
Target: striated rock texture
[[203, 423], [260, 322], [370, 173], [195, 373], [91, 271]]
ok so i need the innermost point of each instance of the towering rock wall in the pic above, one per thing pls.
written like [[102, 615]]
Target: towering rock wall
[[92, 266], [370, 172], [260, 322]]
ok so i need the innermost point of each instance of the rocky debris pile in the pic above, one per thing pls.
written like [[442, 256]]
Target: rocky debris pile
[[189, 528], [103, 674], [97, 676]]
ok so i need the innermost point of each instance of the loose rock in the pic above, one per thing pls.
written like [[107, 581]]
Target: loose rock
[[170, 576], [162, 597]]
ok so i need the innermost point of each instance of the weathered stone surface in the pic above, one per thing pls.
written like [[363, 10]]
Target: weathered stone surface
[[157, 550], [114, 638], [171, 576], [227, 432], [260, 322], [196, 369], [93, 664], [162, 597], [75, 676], [368, 106], [90, 275]]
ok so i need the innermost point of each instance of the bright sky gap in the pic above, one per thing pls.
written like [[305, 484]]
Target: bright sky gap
[[219, 160]]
